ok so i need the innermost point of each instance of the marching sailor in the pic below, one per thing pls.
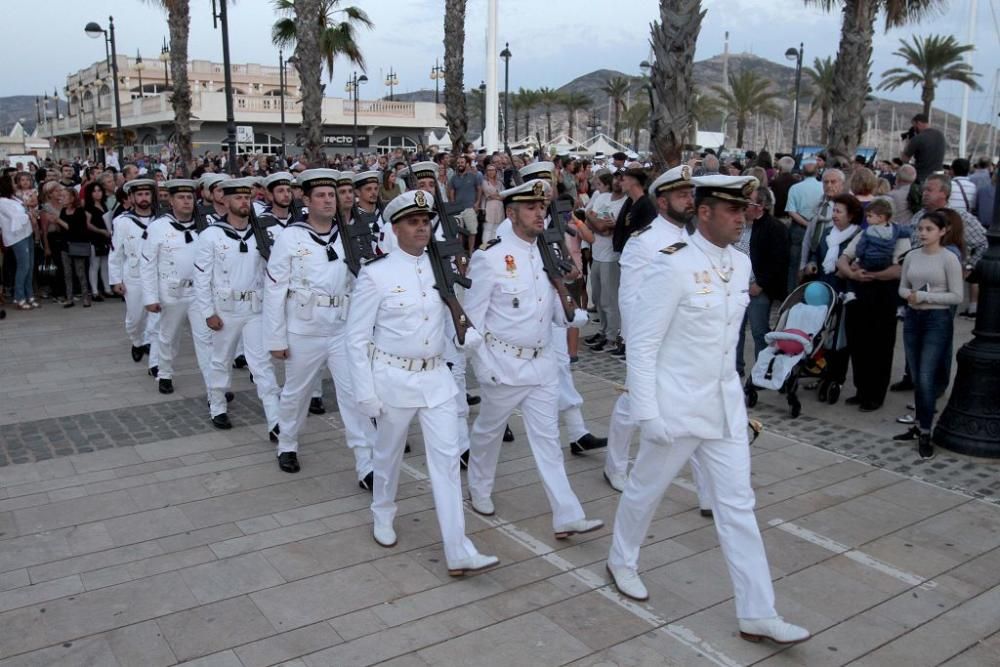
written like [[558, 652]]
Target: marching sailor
[[673, 194], [305, 309], [396, 335], [127, 235], [686, 396], [366, 186], [167, 271], [514, 305], [212, 205], [229, 274]]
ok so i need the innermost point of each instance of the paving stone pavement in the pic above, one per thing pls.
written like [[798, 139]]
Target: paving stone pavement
[[193, 548]]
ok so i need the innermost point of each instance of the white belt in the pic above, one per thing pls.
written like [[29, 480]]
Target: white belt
[[248, 295], [406, 363], [516, 351], [187, 282], [323, 300]]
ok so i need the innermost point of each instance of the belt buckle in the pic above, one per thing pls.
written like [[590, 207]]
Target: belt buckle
[[423, 365], [534, 353]]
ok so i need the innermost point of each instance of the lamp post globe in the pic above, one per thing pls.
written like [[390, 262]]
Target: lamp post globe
[[93, 30]]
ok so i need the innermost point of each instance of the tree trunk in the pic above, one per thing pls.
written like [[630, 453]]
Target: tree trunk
[[548, 124], [454, 73], [618, 122], [570, 124], [309, 63], [927, 97], [179, 24], [825, 128], [673, 38], [741, 126], [851, 73]]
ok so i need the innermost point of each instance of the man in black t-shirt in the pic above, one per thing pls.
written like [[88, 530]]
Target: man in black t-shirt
[[638, 210], [926, 146]]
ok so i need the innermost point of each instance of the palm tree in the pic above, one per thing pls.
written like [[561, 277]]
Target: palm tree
[[636, 118], [548, 98], [931, 60], [672, 75], [573, 102], [179, 26], [337, 37], [308, 62], [516, 106], [454, 73], [747, 94], [529, 100], [616, 88], [821, 74], [852, 67]]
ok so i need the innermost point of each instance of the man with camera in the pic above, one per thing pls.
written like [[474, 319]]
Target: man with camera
[[925, 145]]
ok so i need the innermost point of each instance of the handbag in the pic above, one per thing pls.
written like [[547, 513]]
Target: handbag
[[78, 249]]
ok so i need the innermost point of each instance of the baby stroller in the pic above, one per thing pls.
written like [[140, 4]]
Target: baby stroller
[[807, 323]]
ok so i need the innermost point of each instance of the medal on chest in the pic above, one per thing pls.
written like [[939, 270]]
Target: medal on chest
[[703, 279], [516, 303], [510, 265]]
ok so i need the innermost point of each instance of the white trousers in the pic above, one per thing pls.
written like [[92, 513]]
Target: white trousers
[[141, 326], [621, 428], [457, 363], [168, 341], [570, 399], [538, 404], [98, 268], [245, 327], [442, 450], [726, 465], [306, 357]]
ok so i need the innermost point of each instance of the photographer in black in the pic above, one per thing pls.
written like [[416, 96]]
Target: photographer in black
[[926, 145]]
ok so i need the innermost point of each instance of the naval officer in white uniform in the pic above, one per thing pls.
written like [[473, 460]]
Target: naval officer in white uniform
[[686, 396]]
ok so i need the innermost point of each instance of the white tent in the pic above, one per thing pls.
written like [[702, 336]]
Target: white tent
[[710, 139], [602, 143]]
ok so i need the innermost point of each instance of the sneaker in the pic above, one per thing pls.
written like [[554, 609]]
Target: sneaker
[[924, 447], [593, 338], [34, 303], [906, 419], [599, 344], [849, 297], [912, 434]]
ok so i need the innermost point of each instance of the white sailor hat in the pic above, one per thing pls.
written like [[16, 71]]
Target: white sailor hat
[[181, 185], [678, 177], [315, 178], [366, 177], [408, 203], [237, 186], [345, 178], [210, 179], [137, 184], [426, 169], [534, 190], [538, 170], [728, 188], [276, 179]]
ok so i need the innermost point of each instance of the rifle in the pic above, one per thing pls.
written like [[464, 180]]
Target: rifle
[[259, 235], [441, 254], [556, 259], [356, 238]]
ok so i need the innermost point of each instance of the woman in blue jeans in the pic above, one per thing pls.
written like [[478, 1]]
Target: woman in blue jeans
[[931, 283], [16, 233]]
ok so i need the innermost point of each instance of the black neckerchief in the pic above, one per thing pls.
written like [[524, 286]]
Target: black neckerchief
[[234, 234], [331, 254], [135, 218], [186, 227]]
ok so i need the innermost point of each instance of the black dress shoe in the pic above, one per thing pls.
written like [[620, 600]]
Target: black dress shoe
[[599, 345], [153, 371], [288, 462], [166, 386], [136, 354], [240, 362], [906, 384], [145, 348], [618, 352], [473, 400], [869, 407], [230, 396], [273, 433], [316, 406], [508, 435], [853, 400], [222, 422], [463, 460], [708, 514], [912, 434], [586, 442], [593, 338], [368, 483]]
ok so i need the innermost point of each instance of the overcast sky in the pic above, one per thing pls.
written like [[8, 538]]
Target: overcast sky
[[552, 41]]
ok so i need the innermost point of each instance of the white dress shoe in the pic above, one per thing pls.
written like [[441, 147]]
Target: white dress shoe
[[472, 565], [482, 505], [615, 480], [627, 582], [578, 526], [775, 629], [384, 535]]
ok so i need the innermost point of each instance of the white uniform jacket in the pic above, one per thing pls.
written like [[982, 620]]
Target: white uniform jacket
[[681, 350], [396, 311], [229, 271], [513, 305], [639, 250], [127, 234], [308, 285], [167, 265]]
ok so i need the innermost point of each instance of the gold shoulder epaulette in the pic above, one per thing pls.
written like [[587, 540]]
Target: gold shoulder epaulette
[[640, 231], [671, 249], [489, 244]]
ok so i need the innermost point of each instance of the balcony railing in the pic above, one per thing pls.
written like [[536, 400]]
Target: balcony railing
[[381, 108]]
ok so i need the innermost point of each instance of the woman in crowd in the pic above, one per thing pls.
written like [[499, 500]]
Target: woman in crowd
[[16, 233], [494, 211], [73, 221], [862, 185], [932, 284], [389, 189], [53, 235], [100, 238]]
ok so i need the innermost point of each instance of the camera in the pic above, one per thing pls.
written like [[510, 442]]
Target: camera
[[909, 134]]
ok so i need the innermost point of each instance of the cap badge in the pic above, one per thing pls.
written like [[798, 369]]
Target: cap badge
[[419, 199], [685, 173], [538, 189]]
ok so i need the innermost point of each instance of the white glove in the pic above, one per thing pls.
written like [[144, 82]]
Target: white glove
[[371, 407], [654, 431], [473, 341], [580, 319]]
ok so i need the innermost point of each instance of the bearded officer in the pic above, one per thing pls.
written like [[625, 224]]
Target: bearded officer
[[305, 308], [167, 271], [127, 236], [673, 195], [686, 396], [228, 282], [397, 331], [515, 306]]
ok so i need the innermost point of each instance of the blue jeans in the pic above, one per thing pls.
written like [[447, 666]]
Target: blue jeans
[[927, 338], [24, 256], [759, 315]]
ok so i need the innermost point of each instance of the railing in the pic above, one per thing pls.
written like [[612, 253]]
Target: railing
[[381, 108], [262, 103]]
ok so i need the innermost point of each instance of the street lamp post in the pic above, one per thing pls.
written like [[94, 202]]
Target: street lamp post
[[220, 18], [281, 85], [138, 66], [437, 73], [796, 55], [506, 55], [482, 98], [93, 30], [392, 81], [165, 58], [55, 96], [352, 87]]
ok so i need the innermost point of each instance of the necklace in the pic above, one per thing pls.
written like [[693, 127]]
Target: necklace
[[725, 273]]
